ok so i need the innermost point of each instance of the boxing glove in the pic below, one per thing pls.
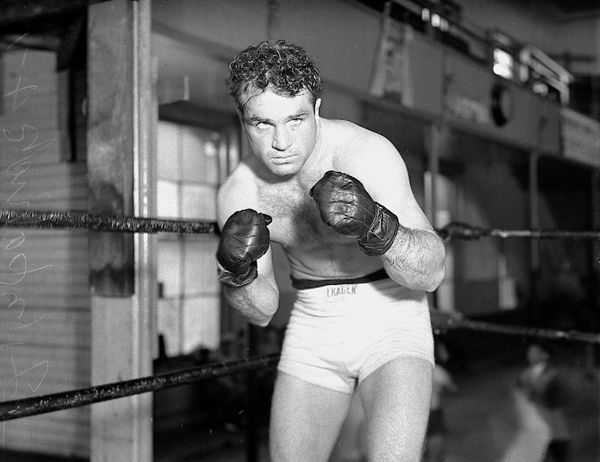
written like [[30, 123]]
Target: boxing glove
[[347, 207], [244, 239]]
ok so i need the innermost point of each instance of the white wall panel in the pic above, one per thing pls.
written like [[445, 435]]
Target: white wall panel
[[44, 289]]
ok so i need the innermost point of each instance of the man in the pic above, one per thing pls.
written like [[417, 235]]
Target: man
[[544, 388], [362, 254]]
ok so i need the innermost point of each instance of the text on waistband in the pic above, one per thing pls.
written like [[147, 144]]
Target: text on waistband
[[335, 291]]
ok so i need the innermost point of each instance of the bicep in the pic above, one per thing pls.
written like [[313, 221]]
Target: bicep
[[265, 268], [226, 204]]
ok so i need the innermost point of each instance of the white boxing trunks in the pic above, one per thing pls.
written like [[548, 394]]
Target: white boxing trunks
[[339, 334]]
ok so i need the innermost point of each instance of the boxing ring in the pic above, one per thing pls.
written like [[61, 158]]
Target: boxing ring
[[78, 220]]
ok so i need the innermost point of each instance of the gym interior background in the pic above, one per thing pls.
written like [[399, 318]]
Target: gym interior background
[[119, 107]]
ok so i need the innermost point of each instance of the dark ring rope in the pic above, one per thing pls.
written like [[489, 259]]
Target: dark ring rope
[[572, 335], [459, 230], [15, 409], [19, 218]]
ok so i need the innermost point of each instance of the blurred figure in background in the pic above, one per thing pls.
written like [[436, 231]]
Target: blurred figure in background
[[544, 388], [540, 398]]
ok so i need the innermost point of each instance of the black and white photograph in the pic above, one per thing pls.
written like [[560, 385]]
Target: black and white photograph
[[300, 231]]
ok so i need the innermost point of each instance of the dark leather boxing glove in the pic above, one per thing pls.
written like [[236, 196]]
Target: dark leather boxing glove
[[347, 207], [244, 239]]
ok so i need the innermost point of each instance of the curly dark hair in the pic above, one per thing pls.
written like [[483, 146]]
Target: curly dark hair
[[284, 66]]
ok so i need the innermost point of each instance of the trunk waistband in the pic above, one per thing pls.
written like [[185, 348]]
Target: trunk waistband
[[302, 284]]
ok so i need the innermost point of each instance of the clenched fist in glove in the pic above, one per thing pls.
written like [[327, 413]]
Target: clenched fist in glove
[[347, 207], [244, 239]]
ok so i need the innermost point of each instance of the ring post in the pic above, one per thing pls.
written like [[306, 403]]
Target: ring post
[[118, 45]]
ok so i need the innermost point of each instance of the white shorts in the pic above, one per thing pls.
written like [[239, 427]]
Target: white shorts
[[339, 334]]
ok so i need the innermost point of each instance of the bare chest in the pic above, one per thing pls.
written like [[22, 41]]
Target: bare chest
[[296, 220]]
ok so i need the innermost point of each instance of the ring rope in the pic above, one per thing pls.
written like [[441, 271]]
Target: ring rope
[[458, 230], [15, 409], [45, 219], [21, 218], [572, 335]]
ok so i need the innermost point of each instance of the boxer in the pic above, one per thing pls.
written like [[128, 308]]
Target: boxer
[[337, 198]]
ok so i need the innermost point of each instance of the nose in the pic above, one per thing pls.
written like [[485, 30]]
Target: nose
[[281, 139]]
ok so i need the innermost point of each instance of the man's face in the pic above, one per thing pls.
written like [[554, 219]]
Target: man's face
[[536, 355], [282, 130]]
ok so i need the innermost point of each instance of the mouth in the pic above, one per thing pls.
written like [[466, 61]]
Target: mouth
[[280, 160]]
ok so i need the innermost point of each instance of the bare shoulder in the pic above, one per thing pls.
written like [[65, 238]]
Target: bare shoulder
[[357, 144], [364, 153], [238, 192], [378, 164]]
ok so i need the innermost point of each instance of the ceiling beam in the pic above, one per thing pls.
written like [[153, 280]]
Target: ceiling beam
[[17, 11]]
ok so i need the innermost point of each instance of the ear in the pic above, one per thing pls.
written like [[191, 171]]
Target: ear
[[317, 107], [241, 119], [239, 114]]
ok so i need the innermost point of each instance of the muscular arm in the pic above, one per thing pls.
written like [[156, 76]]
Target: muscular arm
[[257, 301], [416, 257]]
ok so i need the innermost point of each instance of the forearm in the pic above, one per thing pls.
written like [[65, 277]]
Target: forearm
[[416, 259], [257, 301]]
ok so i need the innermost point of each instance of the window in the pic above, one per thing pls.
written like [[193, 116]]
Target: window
[[504, 64], [188, 176]]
